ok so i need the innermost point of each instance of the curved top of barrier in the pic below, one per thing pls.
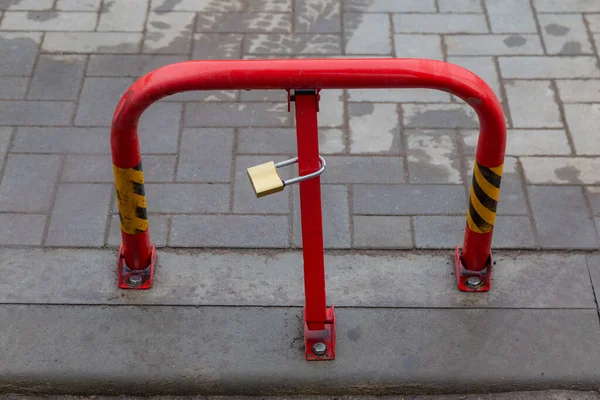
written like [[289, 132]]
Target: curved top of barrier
[[308, 74]]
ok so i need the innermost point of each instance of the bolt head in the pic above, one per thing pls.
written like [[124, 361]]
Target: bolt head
[[319, 349], [473, 281], [135, 280]]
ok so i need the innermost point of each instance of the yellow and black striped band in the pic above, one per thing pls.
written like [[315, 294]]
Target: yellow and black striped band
[[131, 199], [483, 201]]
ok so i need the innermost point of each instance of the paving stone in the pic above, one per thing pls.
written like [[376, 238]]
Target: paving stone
[[398, 96], [125, 65], [244, 198], [409, 199], [566, 6], [558, 214], [230, 231], [244, 22], [206, 155], [432, 157], [484, 67], [267, 141], [235, 114], [439, 116], [22, 229], [373, 169], [159, 128], [99, 99], [336, 217], [78, 5], [593, 194], [269, 5], [27, 5], [317, 16], [520, 142], [460, 6], [208, 46], [389, 6], [331, 112], [28, 182], [264, 95], [187, 198], [374, 128], [197, 5], [510, 16], [48, 21], [377, 232], [92, 42], [158, 226], [593, 21], [548, 67], [298, 44], [583, 120], [169, 32], [566, 171], [57, 78], [123, 16], [6, 134], [438, 232], [13, 88], [61, 140], [513, 232], [332, 141], [98, 168], [80, 215], [532, 104], [440, 23], [19, 51], [36, 112], [205, 95], [565, 34], [367, 34], [579, 91], [485, 45], [418, 46]]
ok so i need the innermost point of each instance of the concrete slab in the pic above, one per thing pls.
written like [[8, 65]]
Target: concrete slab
[[259, 351], [274, 278]]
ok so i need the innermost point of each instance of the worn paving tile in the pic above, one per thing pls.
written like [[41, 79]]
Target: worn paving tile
[[484, 67], [513, 232], [510, 16], [548, 67], [13, 87], [485, 45], [332, 141], [432, 157], [583, 120], [565, 34], [236, 114], [331, 108], [128, 65], [187, 198], [230, 231], [374, 128], [398, 96], [439, 232], [532, 104], [91, 42], [159, 128], [336, 217], [566, 6], [382, 232], [78, 5], [562, 170], [57, 78], [244, 22], [418, 46], [28, 5], [593, 21], [285, 44], [579, 91], [197, 5], [206, 155], [269, 5], [267, 140], [367, 34], [409, 199], [244, 198], [49, 113], [61, 140], [99, 99], [19, 51], [22, 229], [169, 33], [389, 6], [28, 182], [98, 168], [372, 169], [208, 46], [440, 23], [526, 142], [593, 195], [439, 116], [6, 135], [48, 21], [557, 212], [460, 6], [158, 226], [205, 95], [123, 16], [317, 16], [80, 215]]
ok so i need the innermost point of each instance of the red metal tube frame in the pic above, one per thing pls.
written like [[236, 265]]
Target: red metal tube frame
[[137, 251]]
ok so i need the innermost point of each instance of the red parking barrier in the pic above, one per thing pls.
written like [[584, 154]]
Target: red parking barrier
[[303, 79]]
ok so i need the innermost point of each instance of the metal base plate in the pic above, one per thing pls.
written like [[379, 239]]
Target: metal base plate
[[326, 337], [135, 279], [472, 281]]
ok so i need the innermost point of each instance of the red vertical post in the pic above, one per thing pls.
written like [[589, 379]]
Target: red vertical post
[[319, 321]]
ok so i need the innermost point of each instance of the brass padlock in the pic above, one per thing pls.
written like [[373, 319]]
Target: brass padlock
[[265, 180]]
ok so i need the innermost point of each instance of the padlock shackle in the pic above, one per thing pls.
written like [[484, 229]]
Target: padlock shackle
[[297, 179]]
